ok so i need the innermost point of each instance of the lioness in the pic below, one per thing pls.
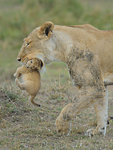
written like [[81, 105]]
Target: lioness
[[30, 78], [65, 43]]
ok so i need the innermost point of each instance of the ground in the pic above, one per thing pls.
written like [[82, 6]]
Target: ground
[[24, 126]]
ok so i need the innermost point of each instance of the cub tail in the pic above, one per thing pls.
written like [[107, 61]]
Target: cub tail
[[31, 98]]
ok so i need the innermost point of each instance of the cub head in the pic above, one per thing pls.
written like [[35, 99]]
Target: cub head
[[34, 64], [38, 41]]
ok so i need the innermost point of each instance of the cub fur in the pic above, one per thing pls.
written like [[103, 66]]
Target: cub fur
[[29, 76]]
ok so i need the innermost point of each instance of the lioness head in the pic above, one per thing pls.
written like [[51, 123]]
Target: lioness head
[[34, 64], [38, 41]]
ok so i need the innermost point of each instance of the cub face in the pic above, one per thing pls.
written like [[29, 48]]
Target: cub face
[[34, 64]]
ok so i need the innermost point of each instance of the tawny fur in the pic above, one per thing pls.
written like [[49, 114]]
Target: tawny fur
[[29, 76], [88, 52]]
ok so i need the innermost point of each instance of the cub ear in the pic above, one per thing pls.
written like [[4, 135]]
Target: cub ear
[[46, 30], [41, 64]]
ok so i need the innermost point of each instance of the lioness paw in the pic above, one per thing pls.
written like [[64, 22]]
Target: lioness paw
[[98, 130], [89, 132]]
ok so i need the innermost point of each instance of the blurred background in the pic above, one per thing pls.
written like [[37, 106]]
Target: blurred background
[[23, 126], [19, 17]]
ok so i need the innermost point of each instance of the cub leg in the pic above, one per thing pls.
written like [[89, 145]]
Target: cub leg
[[20, 85], [19, 71], [17, 74]]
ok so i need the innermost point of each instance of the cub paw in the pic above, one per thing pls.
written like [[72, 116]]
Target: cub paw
[[14, 74]]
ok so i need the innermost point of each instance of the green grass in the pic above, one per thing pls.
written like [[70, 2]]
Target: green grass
[[18, 18], [23, 126]]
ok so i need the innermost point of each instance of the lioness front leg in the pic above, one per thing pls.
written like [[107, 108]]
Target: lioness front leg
[[101, 109], [73, 109]]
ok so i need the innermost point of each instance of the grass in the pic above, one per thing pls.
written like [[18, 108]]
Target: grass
[[23, 126]]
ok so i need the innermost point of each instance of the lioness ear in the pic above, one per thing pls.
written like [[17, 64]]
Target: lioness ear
[[46, 30]]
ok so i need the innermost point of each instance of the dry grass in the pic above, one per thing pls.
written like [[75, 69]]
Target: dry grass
[[24, 126]]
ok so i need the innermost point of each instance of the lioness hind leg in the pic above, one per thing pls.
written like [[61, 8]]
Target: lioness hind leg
[[20, 85]]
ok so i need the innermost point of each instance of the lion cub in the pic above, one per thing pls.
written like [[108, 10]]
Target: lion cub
[[28, 78]]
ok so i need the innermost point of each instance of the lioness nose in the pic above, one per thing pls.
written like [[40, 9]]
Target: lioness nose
[[19, 59]]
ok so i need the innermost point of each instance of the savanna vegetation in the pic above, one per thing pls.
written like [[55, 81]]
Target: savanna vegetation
[[23, 126]]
